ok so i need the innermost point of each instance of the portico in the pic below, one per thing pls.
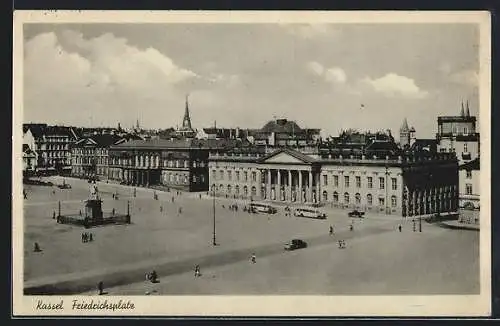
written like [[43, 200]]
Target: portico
[[290, 177]]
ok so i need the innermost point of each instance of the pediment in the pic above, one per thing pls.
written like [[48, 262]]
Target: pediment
[[283, 158]]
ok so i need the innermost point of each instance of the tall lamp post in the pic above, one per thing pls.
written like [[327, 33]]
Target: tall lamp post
[[214, 243]]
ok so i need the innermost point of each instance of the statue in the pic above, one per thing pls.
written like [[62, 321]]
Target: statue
[[94, 192]]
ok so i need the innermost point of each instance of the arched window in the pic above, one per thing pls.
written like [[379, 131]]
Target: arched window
[[221, 188], [254, 191], [358, 198], [369, 199], [325, 196], [229, 189], [394, 201], [346, 198], [245, 191], [237, 190], [335, 197]]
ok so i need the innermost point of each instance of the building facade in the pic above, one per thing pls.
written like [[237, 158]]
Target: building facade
[[51, 145], [457, 134], [469, 179], [366, 171], [29, 161], [90, 155], [175, 163]]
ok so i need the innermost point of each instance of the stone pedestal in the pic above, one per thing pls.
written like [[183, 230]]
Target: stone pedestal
[[93, 209]]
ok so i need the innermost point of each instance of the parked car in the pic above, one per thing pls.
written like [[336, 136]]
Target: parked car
[[356, 213], [64, 186], [262, 208], [309, 212], [295, 244]]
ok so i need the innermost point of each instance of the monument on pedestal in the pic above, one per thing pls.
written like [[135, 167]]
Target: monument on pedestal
[[93, 206], [93, 214]]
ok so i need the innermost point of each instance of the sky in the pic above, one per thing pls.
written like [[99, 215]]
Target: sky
[[327, 76]]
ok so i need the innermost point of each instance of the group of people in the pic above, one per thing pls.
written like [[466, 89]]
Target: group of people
[[233, 207], [87, 237]]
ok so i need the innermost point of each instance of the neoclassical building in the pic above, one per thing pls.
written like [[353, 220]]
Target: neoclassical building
[[173, 163], [373, 177]]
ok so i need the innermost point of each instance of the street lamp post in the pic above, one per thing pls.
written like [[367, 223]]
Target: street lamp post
[[213, 204]]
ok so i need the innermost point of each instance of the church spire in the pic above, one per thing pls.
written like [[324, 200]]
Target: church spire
[[186, 122], [405, 127], [462, 114], [467, 110]]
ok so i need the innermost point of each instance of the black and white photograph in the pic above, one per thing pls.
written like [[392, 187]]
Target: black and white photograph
[[251, 163]]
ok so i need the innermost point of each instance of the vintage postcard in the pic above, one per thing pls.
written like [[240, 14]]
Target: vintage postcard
[[251, 164]]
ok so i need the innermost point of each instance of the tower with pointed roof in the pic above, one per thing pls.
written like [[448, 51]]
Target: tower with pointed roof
[[186, 130], [186, 122], [404, 134]]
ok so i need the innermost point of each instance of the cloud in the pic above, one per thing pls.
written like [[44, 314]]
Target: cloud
[[334, 75], [393, 85], [100, 76], [226, 80], [309, 31], [465, 77], [315, 68]]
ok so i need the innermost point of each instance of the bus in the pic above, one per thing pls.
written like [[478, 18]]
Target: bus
[[263, 208], [309, 212]]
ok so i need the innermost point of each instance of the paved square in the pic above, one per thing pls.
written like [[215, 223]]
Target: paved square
[[378, 259]]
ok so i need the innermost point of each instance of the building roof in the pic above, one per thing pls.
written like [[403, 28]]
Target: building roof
[[40, 129], [422, 144], [291, 152], [456, 119], [103, 140], [472, 165], [180, 144]]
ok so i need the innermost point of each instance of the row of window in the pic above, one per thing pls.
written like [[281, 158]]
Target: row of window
[[357, 199], [238, 176], [146, 161], [229, 189], [90, 151], [177, 178], [369, 182]]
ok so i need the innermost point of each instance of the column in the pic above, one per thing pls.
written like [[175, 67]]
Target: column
[[310, 186], [268, 184], [147, 178], [319, 195], [278, 192], [289, 185], [299, 192]]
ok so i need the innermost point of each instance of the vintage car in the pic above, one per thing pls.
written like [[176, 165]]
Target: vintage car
[[295, 244], [356, 213]]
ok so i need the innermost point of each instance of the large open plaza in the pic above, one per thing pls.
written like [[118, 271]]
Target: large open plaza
[[174, 233]]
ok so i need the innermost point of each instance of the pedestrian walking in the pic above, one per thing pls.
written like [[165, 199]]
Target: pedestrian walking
[[91, 237], [254, 258], [197, 272], [400, 227], [180, 210], [53, 215], [25, 194], [100, 288], [161, 208], [331, 230], [113, 196], [351, 227], [36, 247]]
